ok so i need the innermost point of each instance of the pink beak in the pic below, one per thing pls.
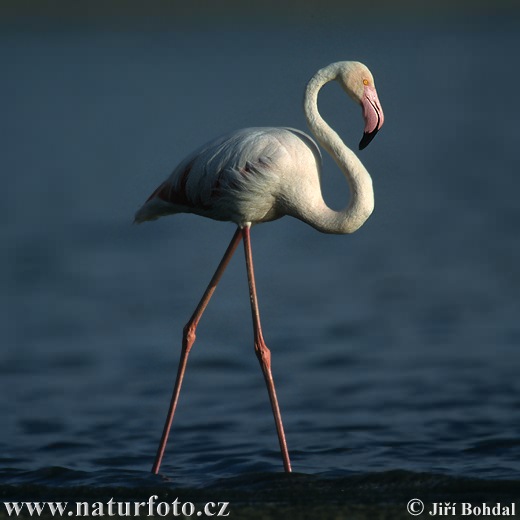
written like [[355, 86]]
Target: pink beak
[[372, 114]]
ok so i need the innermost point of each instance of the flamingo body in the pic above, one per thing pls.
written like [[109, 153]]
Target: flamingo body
[[252, 175]]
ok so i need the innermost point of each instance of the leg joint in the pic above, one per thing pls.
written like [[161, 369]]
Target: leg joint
[[188, 336], [263, 354]]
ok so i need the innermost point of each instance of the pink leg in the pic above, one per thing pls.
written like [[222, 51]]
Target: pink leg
[[262, 352], [188, 339]]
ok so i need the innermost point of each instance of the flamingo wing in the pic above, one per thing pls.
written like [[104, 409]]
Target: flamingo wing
[[235, 177]]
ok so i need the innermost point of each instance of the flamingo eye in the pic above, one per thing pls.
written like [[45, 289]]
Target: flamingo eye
[[365, 82]]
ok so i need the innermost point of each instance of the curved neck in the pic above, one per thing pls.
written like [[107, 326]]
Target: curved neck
[[361, 202]]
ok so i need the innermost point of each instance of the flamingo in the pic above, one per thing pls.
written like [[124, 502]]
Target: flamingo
[[257, 175]]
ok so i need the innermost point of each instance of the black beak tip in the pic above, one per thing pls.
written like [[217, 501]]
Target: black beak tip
[[366, 139]]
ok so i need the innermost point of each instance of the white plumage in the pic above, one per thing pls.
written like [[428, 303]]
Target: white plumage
[[245, 176]]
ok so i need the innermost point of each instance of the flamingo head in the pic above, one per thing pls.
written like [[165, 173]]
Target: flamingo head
[[358, 82]]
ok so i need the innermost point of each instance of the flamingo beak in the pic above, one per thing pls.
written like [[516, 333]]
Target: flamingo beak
[[372, 114]]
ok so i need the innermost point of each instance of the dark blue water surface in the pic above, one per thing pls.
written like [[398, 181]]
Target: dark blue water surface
[[394, 350]]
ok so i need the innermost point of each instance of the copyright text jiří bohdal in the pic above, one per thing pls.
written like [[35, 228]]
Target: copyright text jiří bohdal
[[417, 507]]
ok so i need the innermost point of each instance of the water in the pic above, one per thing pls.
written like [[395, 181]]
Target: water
[[395, 350]]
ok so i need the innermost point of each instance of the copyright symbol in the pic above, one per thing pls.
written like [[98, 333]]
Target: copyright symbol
[[415, 507]]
